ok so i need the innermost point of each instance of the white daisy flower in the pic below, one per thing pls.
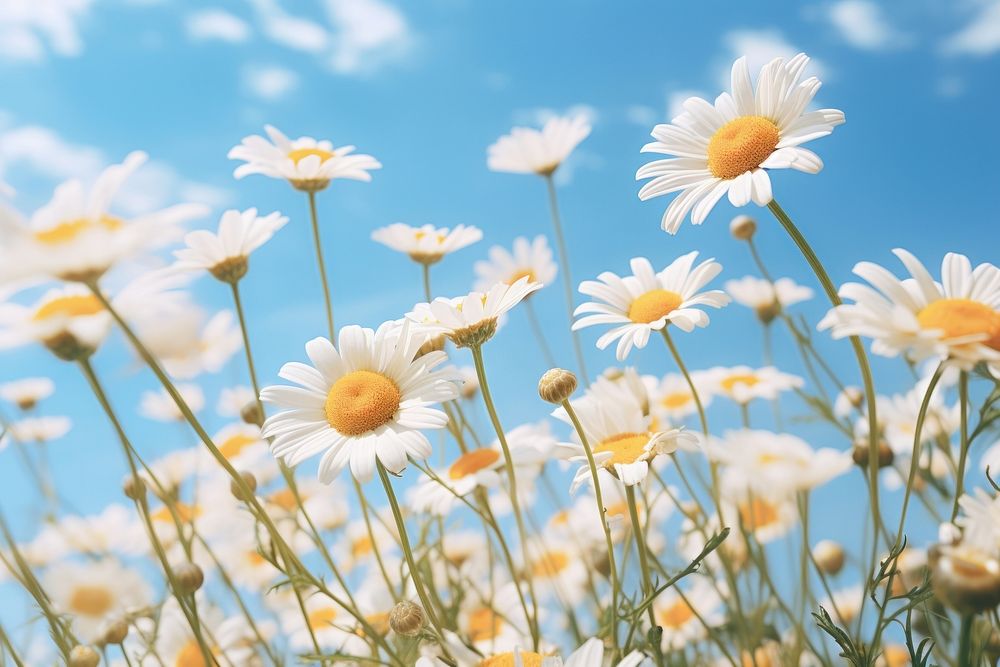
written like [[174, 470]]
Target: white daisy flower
[[426, 244], [471, 320], [358, 547], [367, 399], [743, 384], [38, 429], [767, 299], [980, 522], [728, 147], [646, 301], [845, 604], [677, 615], [27, 392], [558, 569], [306, 163], [93, 592], [672, 400], [224, 254], [493, 620], [766, 518], [115, 529], [529, 151], [232, 400], [531, 259], [324, 619], [957, 319], [244, 447], [159, 406], [75, 236], [190, 343], [477, 468], [230, 639]]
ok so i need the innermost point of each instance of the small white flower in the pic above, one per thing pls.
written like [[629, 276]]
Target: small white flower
[[224, 254], [743, 384], [187, 345], [530, 151], [37, 429], [767, 299], [426, 244], [92, 592], [531, 259], [26, 393]]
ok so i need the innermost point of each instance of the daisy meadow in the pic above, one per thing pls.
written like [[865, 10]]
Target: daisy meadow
[[531, 259], [957, 319], [529, 151], [306, 163], [767, 299], [224, 254], [367, 399], [426, 244], [729, 147], [648, 301]]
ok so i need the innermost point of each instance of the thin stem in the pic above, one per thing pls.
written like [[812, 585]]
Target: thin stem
[[963, 453], [322, 265], [536, 329], [640, 546], [687, 377], [246, 345], [608, 541], [426, 271], [567, 278], [965, 641]]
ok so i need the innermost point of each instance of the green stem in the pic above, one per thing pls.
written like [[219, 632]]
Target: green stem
[[567, 278], [640, 546], [963, 401], [965, 641], [322, 265], [251, 369], [426, 270]]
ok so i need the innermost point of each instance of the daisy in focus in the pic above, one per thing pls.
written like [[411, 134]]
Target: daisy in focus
[[531, 259], [529, 151], [648, 301], [743, 384], [225, 254], [729, 147], [767, 299], [957, 319], [309, 165], [366, 400], [426, 244]]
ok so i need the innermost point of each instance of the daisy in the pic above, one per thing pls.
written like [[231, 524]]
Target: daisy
[[672, 399], [646, 301], [159, 406], [225, 254], [358, 547], [477, 468], [558, 569], [743, 384], [188, 345], [94, 592], [364, 401], [493, 620], [767, 518], [426, 244], [980, 522], [616, 380], [230, 639], [115, 529], [38, 429], [324, 619], [728, 147], [232, 400], [677, 616], [472, 320], [767, 299], [75, 236], [957, 319], [26, 393], [529, 258], [309, 165], [529, 151], [244, 448]]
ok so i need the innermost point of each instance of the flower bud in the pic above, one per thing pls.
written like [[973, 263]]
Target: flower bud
[[768, 312], [251, 483], [115, 632], [861, 451], [964, 579], [251, 413], [189, 577], [406, 619], [829, 556], [556, 385], [83, 656], [134, 488], [742, 227]]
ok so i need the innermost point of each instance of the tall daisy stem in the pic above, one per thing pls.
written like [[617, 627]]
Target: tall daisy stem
[[251, 369], [484, 387], [963, 454], [322, 265], [640, 546], [965, 641], [567, 277], [426, 271], [608, 541]]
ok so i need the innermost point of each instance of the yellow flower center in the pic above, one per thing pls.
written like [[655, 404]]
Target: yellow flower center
[[69, 230], [255, 559], [362, 547], [75, 305], [185, 513], [741, 145], [677, 615], [523, 273], [285, 499], [190, 656], [624, 447], [299, 154], [959, 318], [361, 401], [484, 624], [677, 399], [550, 564], [472, 462], [746, 379], [321, 618], [758, 513], [528, 659], [653, 305], [233, 446], [91, 600]]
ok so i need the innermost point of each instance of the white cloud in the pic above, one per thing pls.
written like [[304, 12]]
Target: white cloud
[[368, 33], [862, 24], [29, 27], [760, 46], [981, 36], [540, 115], [45, 153], [290, 31], [642, 115], [270, 82], [218, 24]]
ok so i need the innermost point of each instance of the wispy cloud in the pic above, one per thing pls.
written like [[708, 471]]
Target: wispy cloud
[[29, 29], [981, 36], [540, 115], [269, 82], [863, 25], [760, 46], [217, 24]]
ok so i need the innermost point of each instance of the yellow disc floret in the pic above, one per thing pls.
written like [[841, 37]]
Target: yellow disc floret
[[528, 659], [653, 305], [961, 318], [91, 600], [741, 145], [299, 154], [69, 230], [472, 462], [625, 448], [74, 305], [361, 401]]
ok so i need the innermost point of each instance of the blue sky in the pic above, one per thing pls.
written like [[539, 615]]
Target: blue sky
[[426, 87]]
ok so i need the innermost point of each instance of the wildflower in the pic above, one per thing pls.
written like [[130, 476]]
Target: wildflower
[[528, 258], [225, 254], [427, 244], [529, 151]]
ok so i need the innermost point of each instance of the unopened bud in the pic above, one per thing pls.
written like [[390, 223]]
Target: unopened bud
[[862, 449], [189, 577], [556, 385], [829, 556], [406, 619], [768, 312], [742, 227], [251, 483], [83, 656], [251, 413], [115, 632], [134, 488]]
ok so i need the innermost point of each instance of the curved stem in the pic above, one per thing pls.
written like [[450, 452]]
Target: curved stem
[[567, 277], [322, 266], [246, 346], [963, 400], [640, 546]]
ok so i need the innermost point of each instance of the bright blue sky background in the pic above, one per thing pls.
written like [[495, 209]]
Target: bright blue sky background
[[426, 87]]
